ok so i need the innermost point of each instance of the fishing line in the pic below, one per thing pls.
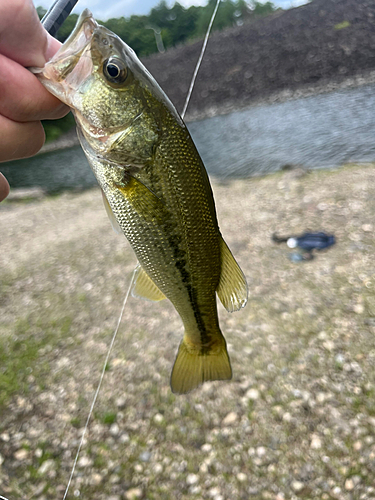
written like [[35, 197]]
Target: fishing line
[[99, 384], [200, 59]]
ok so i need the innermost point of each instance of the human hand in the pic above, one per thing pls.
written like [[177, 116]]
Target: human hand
[[23, 99]]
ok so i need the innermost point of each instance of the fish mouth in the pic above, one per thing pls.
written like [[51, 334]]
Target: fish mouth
[[58, 75]]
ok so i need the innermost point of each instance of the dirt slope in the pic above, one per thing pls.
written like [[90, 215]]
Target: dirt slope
[[321, 42]]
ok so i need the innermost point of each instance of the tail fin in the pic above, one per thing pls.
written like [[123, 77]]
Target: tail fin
[[193, 366]]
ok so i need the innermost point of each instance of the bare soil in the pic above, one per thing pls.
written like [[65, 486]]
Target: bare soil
[[296, 421]]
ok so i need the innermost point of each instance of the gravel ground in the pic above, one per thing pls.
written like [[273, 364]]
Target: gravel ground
[[296, 421]]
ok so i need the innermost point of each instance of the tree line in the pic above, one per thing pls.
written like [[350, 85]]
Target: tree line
[[166, 27]]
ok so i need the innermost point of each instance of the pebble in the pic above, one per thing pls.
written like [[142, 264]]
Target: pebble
[[297, 486], [192, 479], [84, 462], [316, 442], [124, 438], [46, 466], [21, 454], [121, 402], [207, 447], [241, 477], [114, 429], [145, 456], [230, 419], [158, 468], [133, 494], [359, 309], [158, 418], [349, 484], [214, 492], [252, 394], [96, 479]]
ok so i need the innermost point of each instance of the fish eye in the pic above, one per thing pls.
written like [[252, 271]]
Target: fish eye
[[115, 70]]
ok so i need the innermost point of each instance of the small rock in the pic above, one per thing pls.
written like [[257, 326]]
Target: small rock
[[339, 358], [207, 447], [114, 429], [158, 418], [261, 451], [358, 308], [124, 438], [1, 460], [133, 494], [230, 418], [145, 456], [195, 490], [349, 484], [357, 445], [84, 462], [297, 486], [316, 442], [46, 466], [21, 454], [192, 479], [367, 228], [241, 477], [121, 402], [287, 417], [252, 394], [329, 345], [158, 468], [96, 479]]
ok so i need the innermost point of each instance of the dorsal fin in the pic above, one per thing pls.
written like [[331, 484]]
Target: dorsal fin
[[115, 225], [144, 287], [232, 289]]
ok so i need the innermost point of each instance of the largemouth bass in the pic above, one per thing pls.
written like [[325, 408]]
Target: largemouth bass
[[156, 191]]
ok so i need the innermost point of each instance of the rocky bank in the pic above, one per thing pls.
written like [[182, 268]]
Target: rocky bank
[[314, 47]]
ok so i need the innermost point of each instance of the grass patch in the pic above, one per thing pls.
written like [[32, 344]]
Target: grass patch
[[109, 418], [23, 353], [341, 26]]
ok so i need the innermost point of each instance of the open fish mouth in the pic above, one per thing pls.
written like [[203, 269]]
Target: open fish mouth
[[72, 63]]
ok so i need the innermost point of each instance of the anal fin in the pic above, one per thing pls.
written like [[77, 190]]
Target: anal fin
[[232, 289], [144, 287]]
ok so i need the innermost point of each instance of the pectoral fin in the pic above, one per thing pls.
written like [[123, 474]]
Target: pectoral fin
[[144, 287], [115, 225], [232, 289], [142, 199]]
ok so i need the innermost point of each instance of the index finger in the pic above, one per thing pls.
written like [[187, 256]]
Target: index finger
[[22, 36]]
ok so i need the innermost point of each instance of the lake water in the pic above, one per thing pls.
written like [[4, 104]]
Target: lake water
[[322, 131]]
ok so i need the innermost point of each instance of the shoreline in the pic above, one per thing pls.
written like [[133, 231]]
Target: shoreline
[[70, 138], [302, 353]]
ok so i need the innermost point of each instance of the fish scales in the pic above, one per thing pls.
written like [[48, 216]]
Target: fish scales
[[156, 190]]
